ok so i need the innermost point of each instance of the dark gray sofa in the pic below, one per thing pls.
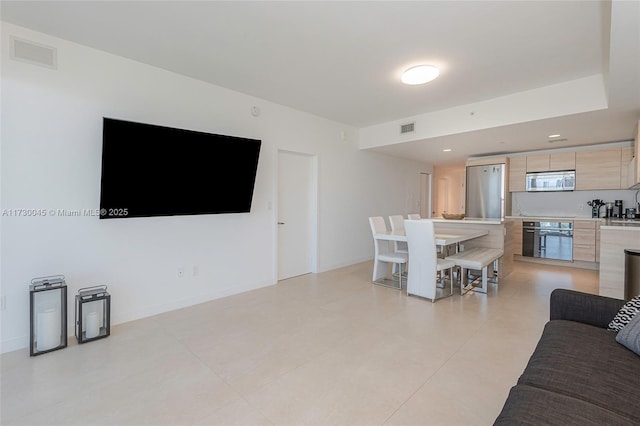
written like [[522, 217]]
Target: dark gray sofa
[[578, 373]]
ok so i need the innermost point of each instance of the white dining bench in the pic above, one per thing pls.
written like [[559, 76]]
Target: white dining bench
[[478, 258]]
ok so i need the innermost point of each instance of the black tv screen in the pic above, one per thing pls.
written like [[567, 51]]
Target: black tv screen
[[150, 170]]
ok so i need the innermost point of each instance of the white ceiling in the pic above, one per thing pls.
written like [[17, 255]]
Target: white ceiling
[[342, 60]]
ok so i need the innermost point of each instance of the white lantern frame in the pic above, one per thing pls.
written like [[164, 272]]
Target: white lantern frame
[[48, 314], [92, 323]]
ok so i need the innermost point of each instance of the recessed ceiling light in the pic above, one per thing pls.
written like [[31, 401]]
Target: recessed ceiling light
[[420, 74], [554, 136], [447, 150]]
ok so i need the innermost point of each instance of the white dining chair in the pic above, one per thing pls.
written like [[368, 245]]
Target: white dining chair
[[424, 264], [414, 216], [397, 225], [384, 255]]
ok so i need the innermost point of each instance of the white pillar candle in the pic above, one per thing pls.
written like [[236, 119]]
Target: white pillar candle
[[47, 329], [92, 325]]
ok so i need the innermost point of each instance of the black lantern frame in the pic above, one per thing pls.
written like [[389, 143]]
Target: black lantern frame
[[48, 314], [92, 314]]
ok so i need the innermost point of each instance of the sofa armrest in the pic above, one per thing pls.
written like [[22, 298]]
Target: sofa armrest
[[586, 308]]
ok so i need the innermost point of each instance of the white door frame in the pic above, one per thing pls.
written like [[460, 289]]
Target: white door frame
[[314, 210]]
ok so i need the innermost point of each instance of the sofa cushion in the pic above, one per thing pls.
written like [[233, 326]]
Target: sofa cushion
[[527, 405], [585, 362], [625, 314], [629, 336]]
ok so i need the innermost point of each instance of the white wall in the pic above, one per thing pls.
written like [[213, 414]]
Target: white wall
[[50, 157]]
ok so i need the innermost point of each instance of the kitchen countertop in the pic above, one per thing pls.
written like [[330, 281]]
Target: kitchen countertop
[[554, 218], [469, 220], [627, 225]]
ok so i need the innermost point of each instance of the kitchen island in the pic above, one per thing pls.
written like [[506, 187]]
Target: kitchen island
[[615, 237], [499, 236]]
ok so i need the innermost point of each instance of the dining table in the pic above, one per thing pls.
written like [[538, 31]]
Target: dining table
[[442, 239]]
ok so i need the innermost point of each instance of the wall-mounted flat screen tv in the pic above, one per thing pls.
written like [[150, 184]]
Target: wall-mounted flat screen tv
[[150, 170]]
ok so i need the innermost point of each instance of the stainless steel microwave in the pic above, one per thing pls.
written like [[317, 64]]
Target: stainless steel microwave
[[551, 181]]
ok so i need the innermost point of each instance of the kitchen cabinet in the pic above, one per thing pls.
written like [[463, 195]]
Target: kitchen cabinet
[[584, 240], [598, 241], [517, 172], [598, 169], [633, 167], [538, 163], [485, 161], [517, 236], [626, 156], [562, 161], [551, 162], [614, 241]]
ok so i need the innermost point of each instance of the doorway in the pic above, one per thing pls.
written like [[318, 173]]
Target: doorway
[[425, 196], [297, 214]]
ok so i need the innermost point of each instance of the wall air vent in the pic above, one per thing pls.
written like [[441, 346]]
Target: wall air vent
[[407, 128], [34, 53]]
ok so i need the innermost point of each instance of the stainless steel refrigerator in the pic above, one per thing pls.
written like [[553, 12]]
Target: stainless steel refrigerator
[[485, 192]]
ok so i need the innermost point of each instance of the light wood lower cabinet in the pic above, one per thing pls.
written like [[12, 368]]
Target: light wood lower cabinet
[[517, 236], [612, 263], [584, 240]]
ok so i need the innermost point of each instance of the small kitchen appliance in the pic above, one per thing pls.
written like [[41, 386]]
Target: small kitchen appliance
[[609, 207], [617, 208], [630, 213]]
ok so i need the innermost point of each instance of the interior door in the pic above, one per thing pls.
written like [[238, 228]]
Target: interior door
[[296, 214], [425, 195]]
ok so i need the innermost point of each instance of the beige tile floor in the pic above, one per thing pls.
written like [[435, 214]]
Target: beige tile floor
[[320, 349]]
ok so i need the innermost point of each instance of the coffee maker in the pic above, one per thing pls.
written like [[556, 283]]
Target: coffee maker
[[617, 208]]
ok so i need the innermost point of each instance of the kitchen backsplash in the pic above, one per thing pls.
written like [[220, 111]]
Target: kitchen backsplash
[[567, 203]]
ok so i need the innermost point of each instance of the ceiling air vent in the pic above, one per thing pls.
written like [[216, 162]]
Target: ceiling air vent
[[407, 128], [34, 53], [557, 140]]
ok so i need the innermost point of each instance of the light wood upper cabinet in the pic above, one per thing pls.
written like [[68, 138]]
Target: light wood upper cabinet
[[626, 157], [598, 169], [551, 162], [562, 161], [517, 172], [634, 168], [538, 163]]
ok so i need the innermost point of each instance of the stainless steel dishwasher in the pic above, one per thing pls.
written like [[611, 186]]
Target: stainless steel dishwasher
[[548, 240]]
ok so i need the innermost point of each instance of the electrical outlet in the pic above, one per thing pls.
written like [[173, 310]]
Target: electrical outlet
[[581, 206], [180, 272], [3, 303], [196, 270]]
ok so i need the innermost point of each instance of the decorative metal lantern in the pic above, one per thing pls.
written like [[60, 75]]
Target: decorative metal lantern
[[48, 312], [93, 313]]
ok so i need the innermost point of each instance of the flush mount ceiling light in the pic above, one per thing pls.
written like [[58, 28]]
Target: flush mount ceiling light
[[420, 74]]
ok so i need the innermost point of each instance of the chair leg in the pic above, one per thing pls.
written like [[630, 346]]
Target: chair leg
[[484, 279], [382, 279], [451, 279]]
